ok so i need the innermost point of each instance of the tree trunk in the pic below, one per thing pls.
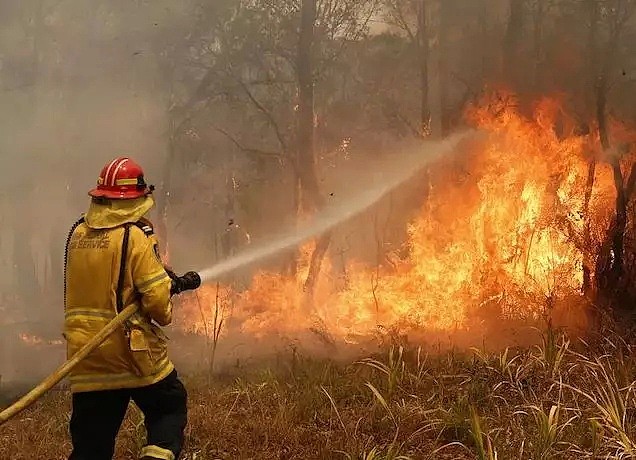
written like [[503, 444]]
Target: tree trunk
[[444, 79], [230, 238], [602, 265], [312, 199], [435, 68], [292, 262], [316, 262], [538, 14], [163, 197], [618, 232], [588, 263], [422, 43], [175, 120], [486, 54], [592, 46], [588, 256], [514, 36]]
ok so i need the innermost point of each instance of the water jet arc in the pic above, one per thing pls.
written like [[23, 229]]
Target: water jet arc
[[402, 170], [323, 222]]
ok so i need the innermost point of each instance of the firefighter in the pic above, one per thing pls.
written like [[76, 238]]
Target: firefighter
[[112, 261]]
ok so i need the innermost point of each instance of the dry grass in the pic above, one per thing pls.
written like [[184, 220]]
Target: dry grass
[[560, 400]]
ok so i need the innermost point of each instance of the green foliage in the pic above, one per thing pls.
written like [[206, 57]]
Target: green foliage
[[394, 369]]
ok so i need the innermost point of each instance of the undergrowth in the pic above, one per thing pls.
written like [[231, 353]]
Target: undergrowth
[[560, 400]]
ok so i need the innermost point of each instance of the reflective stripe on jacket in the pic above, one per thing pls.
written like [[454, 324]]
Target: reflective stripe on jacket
[[92, 274]]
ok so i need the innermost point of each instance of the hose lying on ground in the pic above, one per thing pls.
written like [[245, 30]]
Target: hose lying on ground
[[68, 366]]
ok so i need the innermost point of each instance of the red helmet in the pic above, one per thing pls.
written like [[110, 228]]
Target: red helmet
[[121, 179]]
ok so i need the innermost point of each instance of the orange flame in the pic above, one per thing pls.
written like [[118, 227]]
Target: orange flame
[[502, 227], [33, 340]]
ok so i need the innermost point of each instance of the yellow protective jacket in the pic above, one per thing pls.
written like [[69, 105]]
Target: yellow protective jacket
[[135, 355]]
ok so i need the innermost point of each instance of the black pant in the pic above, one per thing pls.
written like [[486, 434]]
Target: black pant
[[98, 415]]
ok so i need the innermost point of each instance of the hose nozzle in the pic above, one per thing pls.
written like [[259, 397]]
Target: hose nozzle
[[188, 282], [191, 281]]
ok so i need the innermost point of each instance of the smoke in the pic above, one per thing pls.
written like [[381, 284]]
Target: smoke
[[386, 178], [83, 81], [80, 83]]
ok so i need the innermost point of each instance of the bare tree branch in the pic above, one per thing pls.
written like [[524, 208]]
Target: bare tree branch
[[397, 17], [266, 113], [262, 153], [356, 35]]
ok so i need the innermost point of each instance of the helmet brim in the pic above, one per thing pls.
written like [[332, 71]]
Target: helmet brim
[[120, 195], [97, 193]]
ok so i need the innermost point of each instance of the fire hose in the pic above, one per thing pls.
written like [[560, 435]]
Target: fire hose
[[189, 281]]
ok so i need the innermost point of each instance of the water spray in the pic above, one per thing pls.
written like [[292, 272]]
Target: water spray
[[398, 172]]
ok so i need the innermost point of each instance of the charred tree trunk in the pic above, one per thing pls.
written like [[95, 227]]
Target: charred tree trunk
[[315, 263], [619, 183], [292, 261], [512, 42], [593, 49], [435, 68], [616, 233], [422, 43], [588, 256], [306, 158], [312, 199], [444, 79], [483, 27], [538, 13], [588, 262]]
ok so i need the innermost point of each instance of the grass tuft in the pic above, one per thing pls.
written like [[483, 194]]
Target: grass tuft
[[557, 400]]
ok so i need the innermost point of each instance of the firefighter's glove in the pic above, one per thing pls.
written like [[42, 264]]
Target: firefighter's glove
[[173, 276], [188, 282]]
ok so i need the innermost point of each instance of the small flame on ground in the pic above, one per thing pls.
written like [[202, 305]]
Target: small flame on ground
[[33, 340]]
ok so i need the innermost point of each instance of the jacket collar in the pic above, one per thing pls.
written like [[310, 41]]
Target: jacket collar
[[113, 213]]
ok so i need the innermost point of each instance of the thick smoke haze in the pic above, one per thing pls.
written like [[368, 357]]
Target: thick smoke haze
[[80, 83], [205, 95]]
